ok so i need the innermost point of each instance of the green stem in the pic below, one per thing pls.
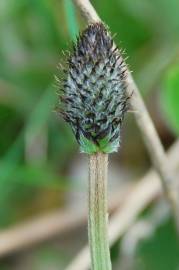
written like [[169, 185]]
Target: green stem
[[98, 219]]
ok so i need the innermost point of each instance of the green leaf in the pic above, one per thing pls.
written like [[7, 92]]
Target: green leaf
[[170, 98], [160, 251], [71, 18]]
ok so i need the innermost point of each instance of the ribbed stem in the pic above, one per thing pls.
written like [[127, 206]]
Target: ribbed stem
[[98, 219]]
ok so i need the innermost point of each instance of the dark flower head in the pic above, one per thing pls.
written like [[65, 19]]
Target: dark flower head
[[93, 99]]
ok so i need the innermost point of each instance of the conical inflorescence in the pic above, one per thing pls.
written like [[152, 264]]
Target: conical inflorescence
[[93, 98]]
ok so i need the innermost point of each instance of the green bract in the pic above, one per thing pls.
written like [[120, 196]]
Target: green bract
[[93, 99]]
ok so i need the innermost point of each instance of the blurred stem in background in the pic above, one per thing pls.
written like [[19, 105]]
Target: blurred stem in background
[[36, 146], [36, 131]]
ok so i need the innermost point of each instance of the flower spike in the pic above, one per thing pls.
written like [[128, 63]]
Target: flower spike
[[94, 99]]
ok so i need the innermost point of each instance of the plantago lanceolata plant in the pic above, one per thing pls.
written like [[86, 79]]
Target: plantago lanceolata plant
[[93, 101]]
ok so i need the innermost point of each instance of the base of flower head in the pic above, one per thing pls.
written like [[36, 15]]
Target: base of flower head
[[104, 146]]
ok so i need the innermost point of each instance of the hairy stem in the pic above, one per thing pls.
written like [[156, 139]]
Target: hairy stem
[[98, 219]]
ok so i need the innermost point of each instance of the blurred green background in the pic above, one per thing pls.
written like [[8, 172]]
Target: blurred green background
[[37, 149]]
